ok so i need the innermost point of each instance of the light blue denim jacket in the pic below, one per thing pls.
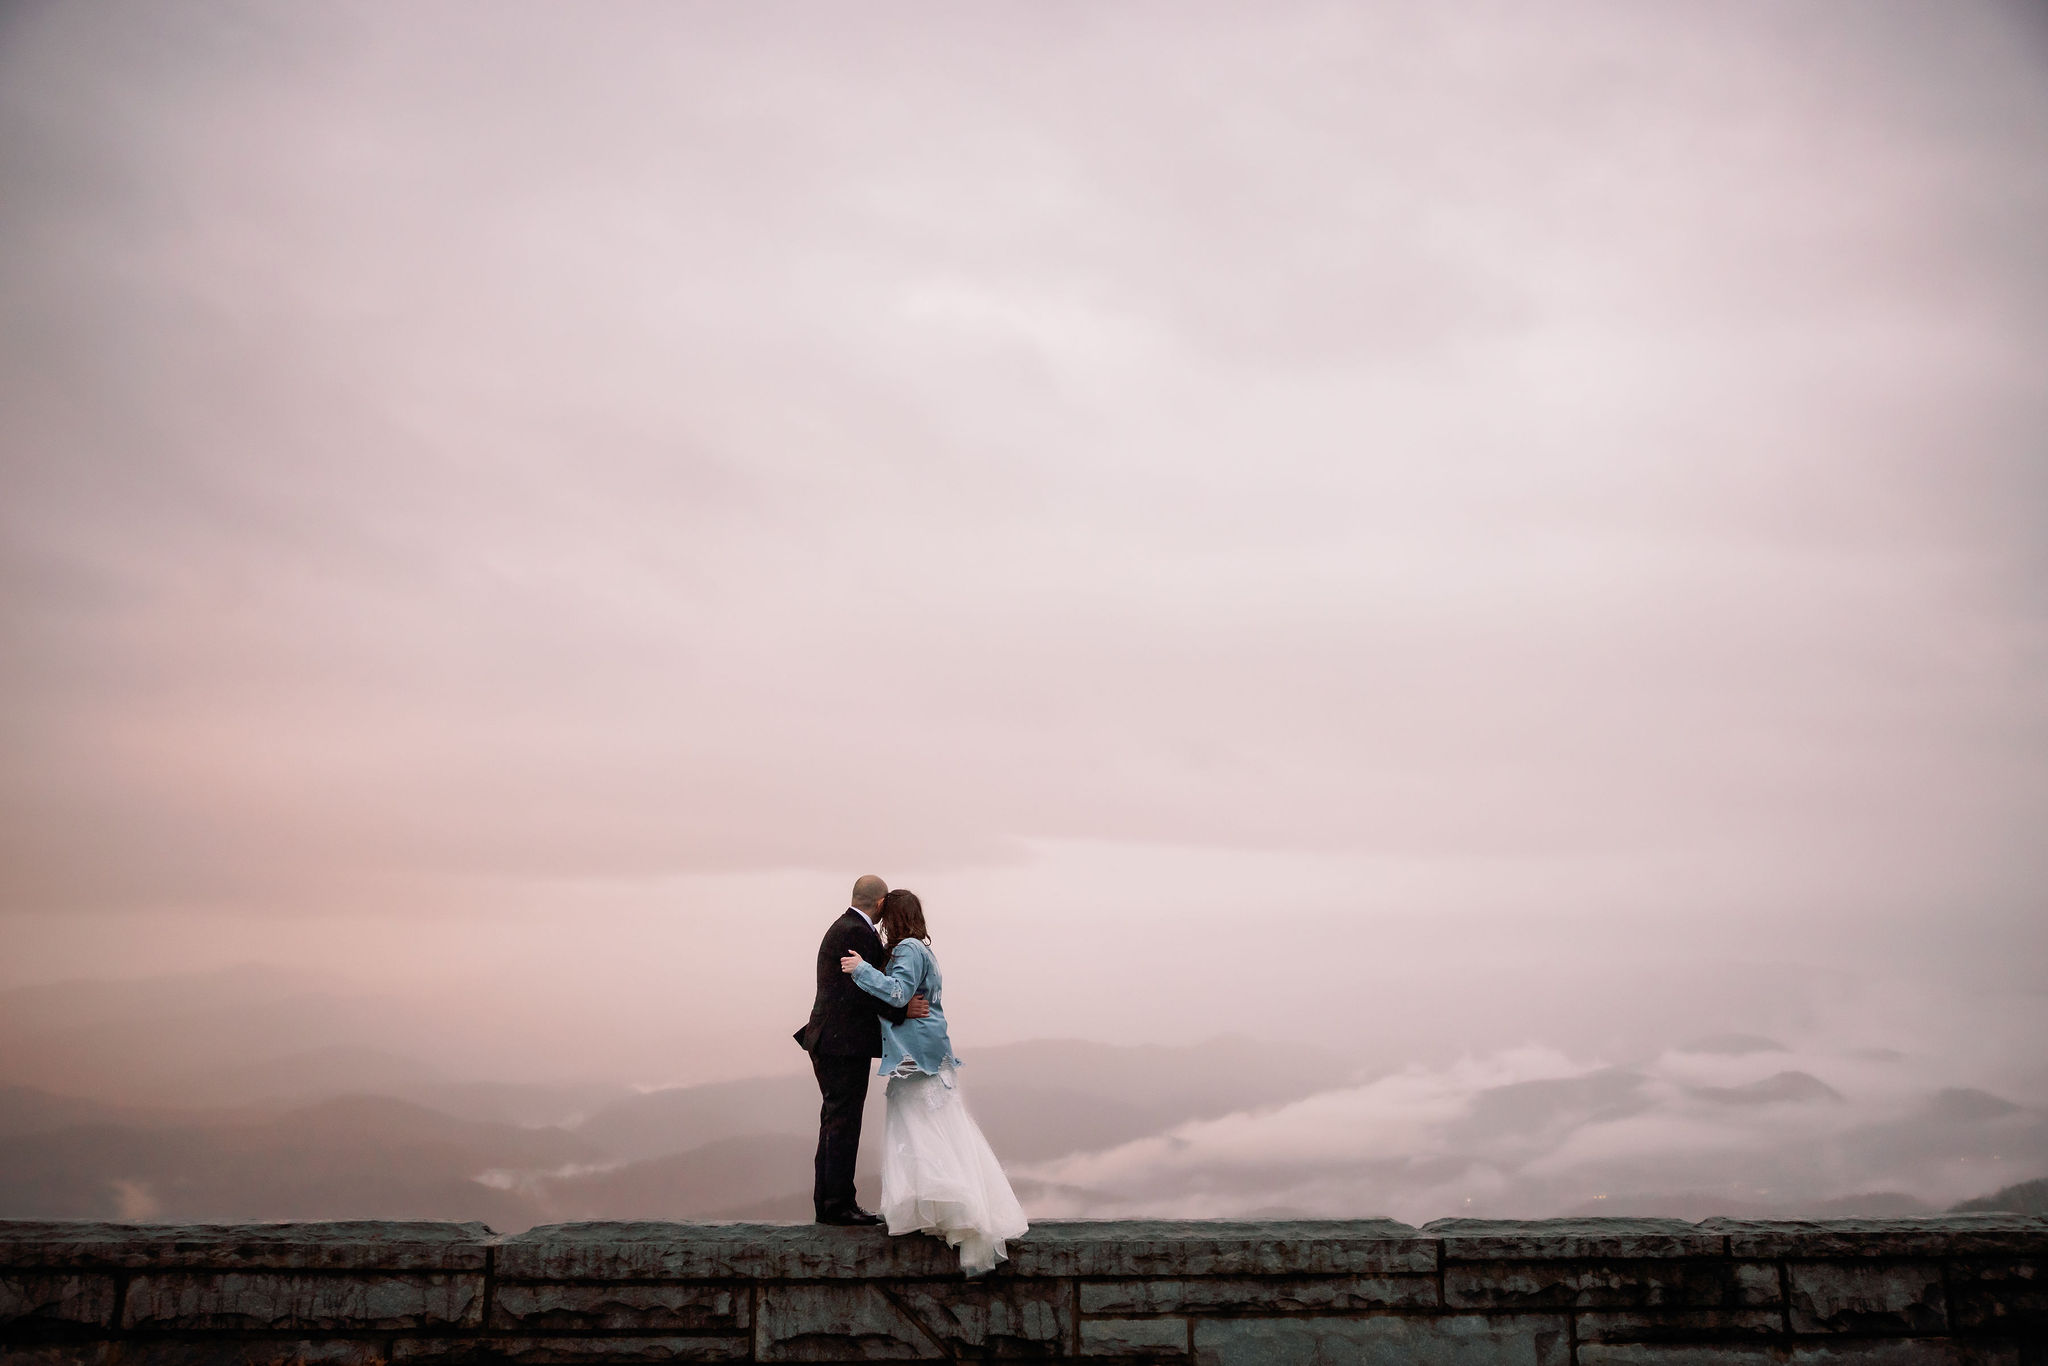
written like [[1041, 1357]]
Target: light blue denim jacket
[[914, 1045]]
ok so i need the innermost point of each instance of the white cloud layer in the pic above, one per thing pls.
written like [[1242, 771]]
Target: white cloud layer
[[1531, 1133]]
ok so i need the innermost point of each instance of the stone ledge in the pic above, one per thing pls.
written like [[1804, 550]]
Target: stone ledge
[[655, 1250], [1466, 1240], [1949, 1235], [346, 1245], [1572, 1292], [648, 1251]]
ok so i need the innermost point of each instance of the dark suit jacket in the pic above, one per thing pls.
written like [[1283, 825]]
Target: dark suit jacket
[[845, 1021]]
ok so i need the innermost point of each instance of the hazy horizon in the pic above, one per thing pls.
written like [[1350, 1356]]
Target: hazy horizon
[[1489, 543]]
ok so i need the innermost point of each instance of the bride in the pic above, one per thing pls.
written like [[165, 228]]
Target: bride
[[938, 1174]]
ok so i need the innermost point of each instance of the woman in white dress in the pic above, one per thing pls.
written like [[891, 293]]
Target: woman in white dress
[[939, 1175]]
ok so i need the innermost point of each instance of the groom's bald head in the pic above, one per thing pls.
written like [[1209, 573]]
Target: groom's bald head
[[868, 891]]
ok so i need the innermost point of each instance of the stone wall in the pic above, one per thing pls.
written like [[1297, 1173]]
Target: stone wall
[[1959, 1289]]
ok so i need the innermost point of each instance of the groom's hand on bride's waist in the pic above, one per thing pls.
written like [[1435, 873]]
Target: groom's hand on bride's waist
[[918, 1008]]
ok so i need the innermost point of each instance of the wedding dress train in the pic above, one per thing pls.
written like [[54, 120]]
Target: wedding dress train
[[939, 1175]]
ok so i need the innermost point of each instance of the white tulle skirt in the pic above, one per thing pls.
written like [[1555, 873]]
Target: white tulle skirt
[[939, 1175]]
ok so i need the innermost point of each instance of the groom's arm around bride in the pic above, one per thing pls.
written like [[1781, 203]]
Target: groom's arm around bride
[[844, 1023]]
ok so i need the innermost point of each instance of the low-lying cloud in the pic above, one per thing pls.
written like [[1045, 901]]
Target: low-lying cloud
[[1723, 1125]]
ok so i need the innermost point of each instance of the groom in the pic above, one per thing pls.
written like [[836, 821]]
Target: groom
[[844, 1037]]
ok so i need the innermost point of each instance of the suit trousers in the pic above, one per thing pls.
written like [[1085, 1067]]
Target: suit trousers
[[843, 1083]]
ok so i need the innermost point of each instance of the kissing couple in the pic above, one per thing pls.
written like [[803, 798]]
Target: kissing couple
[[939, 1175]]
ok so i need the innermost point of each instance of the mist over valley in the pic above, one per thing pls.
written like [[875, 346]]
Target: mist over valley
[[1723, 1124]]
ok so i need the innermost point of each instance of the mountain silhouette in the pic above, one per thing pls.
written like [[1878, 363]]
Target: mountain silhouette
[[1034, 1100], [709, 1182], [252, 1095], [358, 1157], [2027, 1197], [1794, 1088], [1733, 1045]]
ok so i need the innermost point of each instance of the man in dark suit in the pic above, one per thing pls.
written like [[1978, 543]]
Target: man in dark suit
[[844, 1037]]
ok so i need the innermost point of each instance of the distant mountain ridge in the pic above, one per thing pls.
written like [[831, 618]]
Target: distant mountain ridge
[[250, 1094], [383, 1157], [1037, 1099], [367, 1157], [2027, 1197], [726, 1149]]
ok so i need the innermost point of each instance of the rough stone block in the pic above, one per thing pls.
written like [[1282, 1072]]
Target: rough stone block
[[539, 1351], [1236, 1294], [619, 1307], [1959, 1235], [347, 1245], [853, 1322], [56, 1298], [1998, 1294], [1385, 1340], [986, 1317], [1897, 1352], [1756, 1284], [1592, 1285], [1134, 1337], [276, 1300], [1540, 1239], [1677, 1325], [1866, 1297]]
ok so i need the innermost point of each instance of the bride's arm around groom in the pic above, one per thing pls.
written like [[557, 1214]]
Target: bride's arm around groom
[[908, 962]]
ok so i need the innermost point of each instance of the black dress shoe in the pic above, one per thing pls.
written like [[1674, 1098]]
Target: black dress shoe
[[852, 1214]]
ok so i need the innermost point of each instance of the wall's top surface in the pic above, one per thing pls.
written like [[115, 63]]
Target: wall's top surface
[[1954, 1290], [604, 1250], [356, 1245]]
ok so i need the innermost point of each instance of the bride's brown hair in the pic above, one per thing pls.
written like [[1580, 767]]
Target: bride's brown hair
[[903, 917]]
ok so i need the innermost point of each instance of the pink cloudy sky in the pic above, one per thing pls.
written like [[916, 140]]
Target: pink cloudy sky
[[1273, 517]]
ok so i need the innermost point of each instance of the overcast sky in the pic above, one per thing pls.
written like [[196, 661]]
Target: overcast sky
[[1563, 482]]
